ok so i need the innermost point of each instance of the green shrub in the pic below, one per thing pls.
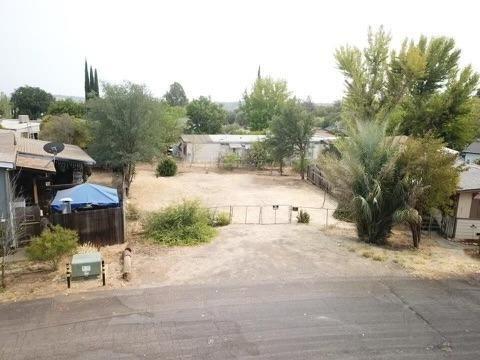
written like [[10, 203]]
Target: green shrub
[[133, 214], [259, 155], [230, 161], [303, 217], [220, 219], [185, 224], [166, 167], [52, 245], [297, 166], [223, 219]]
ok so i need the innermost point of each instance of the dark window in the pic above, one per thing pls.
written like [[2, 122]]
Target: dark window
[[475, 208]]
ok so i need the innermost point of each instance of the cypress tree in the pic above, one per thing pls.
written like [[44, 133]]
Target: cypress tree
[[96, 83], [92, 80], [87, 81]]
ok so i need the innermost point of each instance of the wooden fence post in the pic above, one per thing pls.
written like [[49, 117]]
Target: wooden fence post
[[127, 264]]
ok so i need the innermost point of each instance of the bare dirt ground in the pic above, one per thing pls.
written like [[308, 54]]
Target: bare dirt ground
[[246, 254]]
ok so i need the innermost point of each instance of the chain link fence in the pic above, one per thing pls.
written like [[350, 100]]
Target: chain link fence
[[274, 214]]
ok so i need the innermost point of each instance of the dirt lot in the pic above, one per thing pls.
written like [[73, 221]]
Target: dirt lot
[[246, 254], [246, 191]]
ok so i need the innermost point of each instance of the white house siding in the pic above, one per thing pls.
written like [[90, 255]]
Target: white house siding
[[470, 158], [202, 153], [464, 205], [465, 230]]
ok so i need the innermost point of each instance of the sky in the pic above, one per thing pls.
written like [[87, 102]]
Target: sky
[[212, 48]]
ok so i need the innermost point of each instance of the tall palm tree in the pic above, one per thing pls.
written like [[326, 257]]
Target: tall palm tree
[[366, 179]]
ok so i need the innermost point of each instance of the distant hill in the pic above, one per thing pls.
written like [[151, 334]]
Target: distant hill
[[78, 99]]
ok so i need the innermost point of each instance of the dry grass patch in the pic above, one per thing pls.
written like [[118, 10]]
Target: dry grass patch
[[435, 259]]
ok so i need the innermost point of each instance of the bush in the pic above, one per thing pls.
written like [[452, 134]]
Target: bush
[[185, 224], [52, 245], [133, 214], [166, 167], [303, 217], [230, 161], [297, 166], [259, 155], [220, 219]]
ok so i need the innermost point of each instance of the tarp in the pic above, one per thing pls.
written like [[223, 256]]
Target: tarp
[[87, 195]]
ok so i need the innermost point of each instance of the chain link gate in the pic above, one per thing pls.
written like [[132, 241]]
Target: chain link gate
[[271, 214]]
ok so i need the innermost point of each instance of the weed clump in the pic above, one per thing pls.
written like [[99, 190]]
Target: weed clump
[[187, 223]]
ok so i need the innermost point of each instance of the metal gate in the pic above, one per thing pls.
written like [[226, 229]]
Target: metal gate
[[271, 214]]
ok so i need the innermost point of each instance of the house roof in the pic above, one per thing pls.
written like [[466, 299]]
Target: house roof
[[473, 148], [35, 147], [196, 139], [236, 139], [470, 178], [35, 163], [222, 138], [16, 151], [17, 125]]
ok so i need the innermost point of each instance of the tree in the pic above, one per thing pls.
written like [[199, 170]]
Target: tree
[[95, 77], [259, 155], [418, 89], [91, 83], [366, 78], [87, 82], [31, 101], [430, 180], [366, 179], [65, 129], [91, 80], [67, 106], [205, 117], [440, 100], [329, 115], [126, 123], [294, 127], [171, 122], [175, 96], [5, 107], [264, 102]]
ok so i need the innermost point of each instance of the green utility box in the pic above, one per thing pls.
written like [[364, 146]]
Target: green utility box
[[86, 265]]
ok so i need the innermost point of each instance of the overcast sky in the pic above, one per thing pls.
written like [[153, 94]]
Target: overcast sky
[[211, 47]]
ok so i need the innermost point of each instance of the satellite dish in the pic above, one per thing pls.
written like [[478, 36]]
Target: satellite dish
[[53, 148]]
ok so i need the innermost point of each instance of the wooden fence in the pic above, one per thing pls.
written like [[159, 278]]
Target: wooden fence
[[100, 227], [316, 177], [447, 226]]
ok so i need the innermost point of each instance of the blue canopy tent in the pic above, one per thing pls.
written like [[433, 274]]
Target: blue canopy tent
[[86, 195]]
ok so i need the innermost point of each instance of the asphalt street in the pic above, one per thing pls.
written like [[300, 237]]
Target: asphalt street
[[388, 318]]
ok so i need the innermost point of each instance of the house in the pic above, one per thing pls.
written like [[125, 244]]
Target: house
[[22, 126], [472, 152], [211, 148], [29, 178], [320, 139], [465, 224]]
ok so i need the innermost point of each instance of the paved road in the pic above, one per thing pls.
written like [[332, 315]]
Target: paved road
[[326, 319]]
